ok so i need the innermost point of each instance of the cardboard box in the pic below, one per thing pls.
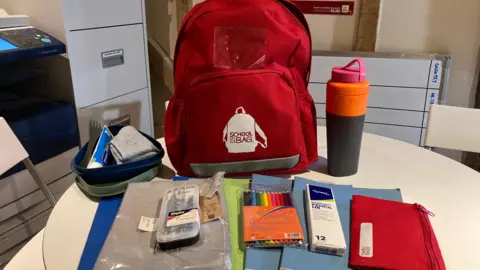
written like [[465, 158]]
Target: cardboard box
[[324, 226]]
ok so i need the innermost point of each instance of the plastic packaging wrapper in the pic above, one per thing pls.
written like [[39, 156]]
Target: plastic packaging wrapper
[[239, 47], [179, 222], [212, 185], [128, 247], [269, 217]]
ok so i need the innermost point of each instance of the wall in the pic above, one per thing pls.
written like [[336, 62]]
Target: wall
[[333, 33], [431, 26], [328, 32], [437, 26], [162, 23], [45, 15]]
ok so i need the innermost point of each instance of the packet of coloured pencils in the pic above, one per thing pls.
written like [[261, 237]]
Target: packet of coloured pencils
[[270, 219]]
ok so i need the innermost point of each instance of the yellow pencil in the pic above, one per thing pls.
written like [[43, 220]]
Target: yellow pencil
[[265, 199]]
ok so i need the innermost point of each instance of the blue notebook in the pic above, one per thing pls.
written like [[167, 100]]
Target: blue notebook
[[300, 258], [103, 220], [258, 258]]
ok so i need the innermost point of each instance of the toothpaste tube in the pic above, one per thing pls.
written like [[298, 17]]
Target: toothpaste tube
[[100, 154], [325, 229]]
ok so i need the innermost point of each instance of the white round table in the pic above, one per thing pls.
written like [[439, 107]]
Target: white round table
[[443, 186]]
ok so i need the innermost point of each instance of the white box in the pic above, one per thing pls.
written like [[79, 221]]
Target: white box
[[380, 71], [384, 116], [403, 98], [324, 226]]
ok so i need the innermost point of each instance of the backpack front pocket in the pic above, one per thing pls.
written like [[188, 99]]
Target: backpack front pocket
[[242, 121]]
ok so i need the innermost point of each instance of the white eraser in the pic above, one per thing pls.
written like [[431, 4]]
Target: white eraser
[[324, 226]]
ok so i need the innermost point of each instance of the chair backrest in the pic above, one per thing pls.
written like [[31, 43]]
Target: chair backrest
[[11, 150], [453, 128]]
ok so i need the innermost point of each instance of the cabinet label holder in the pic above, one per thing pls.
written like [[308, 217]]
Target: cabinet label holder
[[112, 58]]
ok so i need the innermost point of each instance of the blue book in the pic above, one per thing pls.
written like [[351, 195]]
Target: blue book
[[301, 258]]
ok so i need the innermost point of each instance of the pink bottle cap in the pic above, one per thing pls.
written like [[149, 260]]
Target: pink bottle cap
[[349, 74]]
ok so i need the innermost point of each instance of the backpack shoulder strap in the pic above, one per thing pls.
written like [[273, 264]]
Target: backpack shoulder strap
[[301, 18], [183, 26]]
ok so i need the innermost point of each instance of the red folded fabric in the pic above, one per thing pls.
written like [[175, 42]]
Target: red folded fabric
[[392, 235]]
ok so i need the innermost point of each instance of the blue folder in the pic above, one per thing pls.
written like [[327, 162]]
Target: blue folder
[[258, 258], [301, 258]]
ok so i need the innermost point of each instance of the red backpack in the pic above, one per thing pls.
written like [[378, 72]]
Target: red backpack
[[241, 103]]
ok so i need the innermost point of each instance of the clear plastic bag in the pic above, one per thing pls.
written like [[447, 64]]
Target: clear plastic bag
[[178, 224], [212, 185], [239, 47], [127, 247]]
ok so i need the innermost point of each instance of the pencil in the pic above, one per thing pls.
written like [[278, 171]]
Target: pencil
[[288, 200], [279, 199], [273, 195], [259, 198], [265, 199]]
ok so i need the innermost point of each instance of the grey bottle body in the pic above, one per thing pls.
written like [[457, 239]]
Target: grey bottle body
[[344, 138]]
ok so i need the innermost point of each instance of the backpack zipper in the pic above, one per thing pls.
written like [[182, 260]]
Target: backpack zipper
[[222, 74], [225, 73], [287, 5], [427, 234]]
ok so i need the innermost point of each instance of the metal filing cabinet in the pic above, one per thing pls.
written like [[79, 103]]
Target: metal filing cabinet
[[107, 49]]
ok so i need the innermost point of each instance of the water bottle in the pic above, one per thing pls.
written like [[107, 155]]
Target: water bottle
[[347, 96]]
